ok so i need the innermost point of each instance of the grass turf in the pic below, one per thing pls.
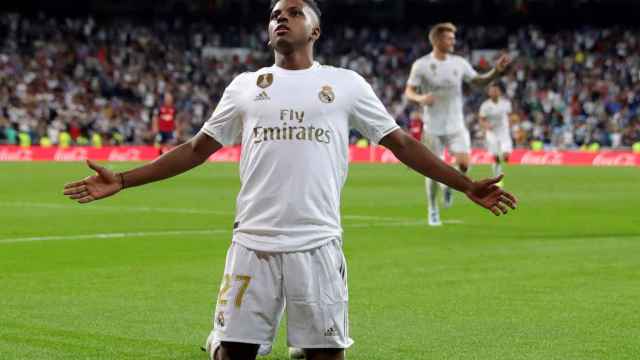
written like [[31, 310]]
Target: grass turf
[[557, 279]]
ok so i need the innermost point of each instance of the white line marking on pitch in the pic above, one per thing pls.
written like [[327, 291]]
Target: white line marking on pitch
[[399, 224], [383, 224], [189, 232], [112, 235], [453, 222], [366, 217], [115, 208], [168, 210]]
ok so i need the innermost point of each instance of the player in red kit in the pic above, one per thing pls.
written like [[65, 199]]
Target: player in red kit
[[415, 126], [164, 125]]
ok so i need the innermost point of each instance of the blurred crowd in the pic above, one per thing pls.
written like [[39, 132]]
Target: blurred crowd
[[83, 81]]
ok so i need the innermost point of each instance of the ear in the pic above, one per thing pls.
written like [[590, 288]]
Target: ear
[[315, 33]]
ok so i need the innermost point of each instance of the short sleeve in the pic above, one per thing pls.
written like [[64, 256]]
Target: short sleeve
[[508, 107], [483, 110], [468, 72], [369, 116], [225, 124], [415, 77]]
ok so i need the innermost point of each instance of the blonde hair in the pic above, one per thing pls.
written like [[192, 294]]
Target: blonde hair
[[438, 29]]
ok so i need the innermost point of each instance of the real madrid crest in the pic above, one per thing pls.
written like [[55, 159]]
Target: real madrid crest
[[326, 95], [265, 80], [220, 319]]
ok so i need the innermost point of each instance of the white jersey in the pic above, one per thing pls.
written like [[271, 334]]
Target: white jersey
[[497, 114], [444, 80], [294, 127]]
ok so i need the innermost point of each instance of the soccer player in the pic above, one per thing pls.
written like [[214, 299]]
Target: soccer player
[[494, 119], [286, 252], [435, 83], [164, 125]]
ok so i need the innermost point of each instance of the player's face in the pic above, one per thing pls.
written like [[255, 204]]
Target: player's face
[[447, 42], [291, 26], [494, 92], [168, 100]]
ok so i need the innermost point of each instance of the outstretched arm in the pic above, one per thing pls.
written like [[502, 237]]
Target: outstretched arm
[[416, 156], [106, 183], [501, 66], [484, 123], [411, 93]]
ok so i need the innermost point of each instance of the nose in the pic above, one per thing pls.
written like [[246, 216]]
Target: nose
[[282, 18]]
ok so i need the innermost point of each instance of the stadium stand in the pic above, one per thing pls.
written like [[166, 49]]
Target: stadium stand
[[88, 78]]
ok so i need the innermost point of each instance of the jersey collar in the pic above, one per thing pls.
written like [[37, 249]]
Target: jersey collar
[[279, 70]]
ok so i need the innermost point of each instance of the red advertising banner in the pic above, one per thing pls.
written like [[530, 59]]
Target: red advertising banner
[[356, 155], [579, 158], [128, 153]]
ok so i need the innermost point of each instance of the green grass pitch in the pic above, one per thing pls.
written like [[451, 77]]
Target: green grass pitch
[[136, 276]]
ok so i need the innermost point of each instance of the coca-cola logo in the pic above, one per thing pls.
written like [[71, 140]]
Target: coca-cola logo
[[226, 155], [17, 154], [542, 158], [77, 154], [481, 157], [125, 155], [613, 159]]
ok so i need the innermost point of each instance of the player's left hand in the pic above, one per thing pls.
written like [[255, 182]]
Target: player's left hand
[[503, 63], [103, 184], [490, 196]]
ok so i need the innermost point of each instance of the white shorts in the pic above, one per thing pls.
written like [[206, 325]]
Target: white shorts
[[499, 143], [456, 143], [258, 286]]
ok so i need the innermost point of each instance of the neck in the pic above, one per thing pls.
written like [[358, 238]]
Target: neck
[[297, 60], [495, 100], [440, 55]]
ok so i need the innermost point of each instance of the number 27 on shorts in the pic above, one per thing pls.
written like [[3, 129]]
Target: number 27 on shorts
[[228, 283]]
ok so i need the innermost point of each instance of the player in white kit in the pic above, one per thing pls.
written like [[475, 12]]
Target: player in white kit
[[494, 119], [286, 251], [435, 83]]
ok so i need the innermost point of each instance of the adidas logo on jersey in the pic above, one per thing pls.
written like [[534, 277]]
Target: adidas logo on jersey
[[331, 332], [262, 97]]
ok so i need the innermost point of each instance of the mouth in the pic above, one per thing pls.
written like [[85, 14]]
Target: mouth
[[281, 29]]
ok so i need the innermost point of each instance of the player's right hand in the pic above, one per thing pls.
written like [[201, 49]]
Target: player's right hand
[[427, 99], [503, 63], [99, 186], [492, 197]]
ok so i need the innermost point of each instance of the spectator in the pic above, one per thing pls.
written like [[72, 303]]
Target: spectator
[[569, 88]]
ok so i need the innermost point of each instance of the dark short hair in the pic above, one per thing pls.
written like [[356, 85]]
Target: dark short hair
[[312, 4], [497, 84]]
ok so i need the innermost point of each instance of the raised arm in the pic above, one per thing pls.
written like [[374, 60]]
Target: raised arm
[[106, 183], [416, 156], [484, 123], [411, 93], [501, 66]]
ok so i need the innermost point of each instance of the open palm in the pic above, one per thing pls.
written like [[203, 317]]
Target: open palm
[[503, 63], [490, 196], [104, 184]]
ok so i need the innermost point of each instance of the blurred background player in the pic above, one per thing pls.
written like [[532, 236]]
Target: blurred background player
[[164, 125], [416, 126], [435, 82], [494, 119]]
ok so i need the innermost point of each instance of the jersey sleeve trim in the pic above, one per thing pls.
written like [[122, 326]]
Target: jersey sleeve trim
[[211, 134], [385, 133]]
